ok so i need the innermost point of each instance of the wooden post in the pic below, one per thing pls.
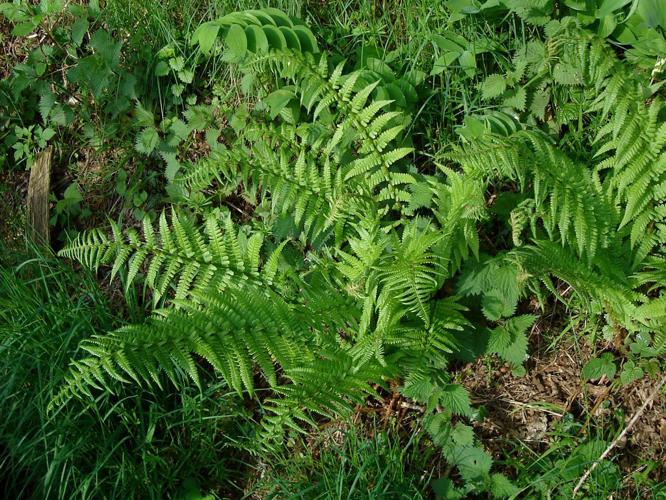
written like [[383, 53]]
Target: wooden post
[[39, 188]]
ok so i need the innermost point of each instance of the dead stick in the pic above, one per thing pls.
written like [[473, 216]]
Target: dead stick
[[631, 423]]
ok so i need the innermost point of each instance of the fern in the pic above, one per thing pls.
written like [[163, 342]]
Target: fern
[[236, 333], [567, 199], [598, 282], [191, 258]]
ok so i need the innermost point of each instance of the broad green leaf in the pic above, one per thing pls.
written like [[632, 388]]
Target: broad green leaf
[[236, 43], [598, 367], [205, 36], [257, 42], [607, 7], [23, 29], [307, 39], [502, 487], [147, 140], [630, 373], [79, 29], [72, 193], [277, 100], [468, 62], [275, 37], [291, 38]]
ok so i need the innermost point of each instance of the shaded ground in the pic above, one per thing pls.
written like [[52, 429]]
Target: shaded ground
[[13, 193], [528, 409]]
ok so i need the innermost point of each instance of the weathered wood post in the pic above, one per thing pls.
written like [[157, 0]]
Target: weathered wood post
[[39, 187]]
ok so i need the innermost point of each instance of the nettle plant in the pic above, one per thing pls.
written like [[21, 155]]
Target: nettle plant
[[72, 85], [357, 270]]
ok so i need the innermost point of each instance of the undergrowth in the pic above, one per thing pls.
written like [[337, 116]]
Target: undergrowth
[[320, 213]]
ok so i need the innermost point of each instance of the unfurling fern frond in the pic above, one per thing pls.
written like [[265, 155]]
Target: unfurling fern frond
[[178, 253]]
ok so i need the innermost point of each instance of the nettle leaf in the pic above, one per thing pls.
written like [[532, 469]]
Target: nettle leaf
[[509, 341], [630, 373], [79, 29], [455, 398], [516, 99], [46, 102], [445, 488], [23, 29], [495, 305], [106, 47], [161, 68], [493, 86], [147, 140], [462, 434], [502, 487], [539, 103], [473, 462], [72, 194], [598, 367]]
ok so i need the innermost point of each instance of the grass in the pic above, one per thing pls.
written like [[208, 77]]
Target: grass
[[351, 461], [141, 444]]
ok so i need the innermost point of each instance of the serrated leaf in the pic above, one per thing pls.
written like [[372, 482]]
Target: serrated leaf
[[46, 102], [502, 487], [598, 367], [516, 99], [177, 63], [630, 373], [509, 341], [493, 86], [472, 462], [147, 140], [79, 29], [455, 398]]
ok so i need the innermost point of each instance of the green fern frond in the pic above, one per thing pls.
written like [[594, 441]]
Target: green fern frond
[[234, 332], [567, 199], [598, 282], [177, 253]]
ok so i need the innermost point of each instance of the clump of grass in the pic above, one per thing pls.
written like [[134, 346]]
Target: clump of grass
[[350, 461], [138, 444]]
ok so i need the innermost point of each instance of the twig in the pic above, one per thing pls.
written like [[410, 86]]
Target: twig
[[631, 423]]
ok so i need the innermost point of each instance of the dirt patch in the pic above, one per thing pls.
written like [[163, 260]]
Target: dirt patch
[[13, 192], [528, 408]]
